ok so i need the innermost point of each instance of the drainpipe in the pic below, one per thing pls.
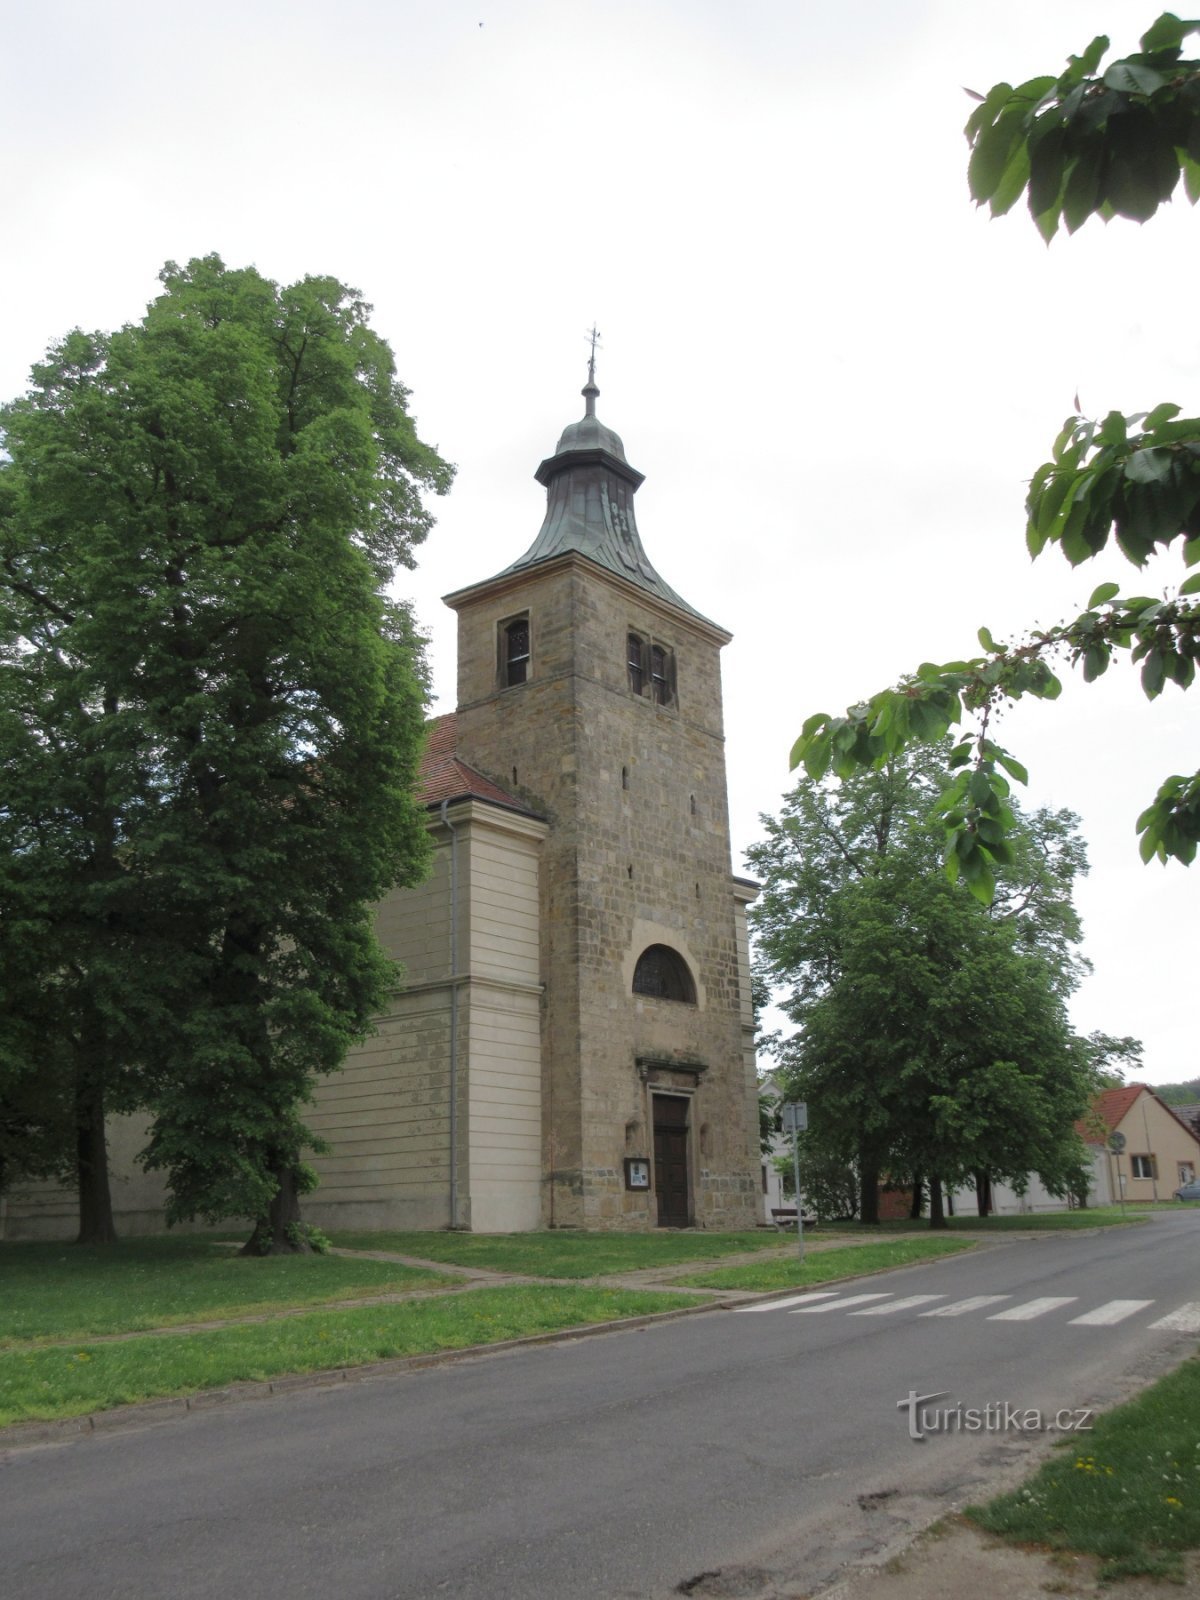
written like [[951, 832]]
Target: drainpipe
[[1149, 1151], [446, 823]]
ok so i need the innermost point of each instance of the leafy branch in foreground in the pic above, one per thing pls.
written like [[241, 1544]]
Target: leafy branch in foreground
[[1081, 145], [1084, 145]]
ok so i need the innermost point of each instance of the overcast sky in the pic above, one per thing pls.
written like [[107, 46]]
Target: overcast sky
[[835, 374]]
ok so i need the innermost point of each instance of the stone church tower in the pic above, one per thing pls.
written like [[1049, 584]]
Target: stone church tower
[[590, 688]]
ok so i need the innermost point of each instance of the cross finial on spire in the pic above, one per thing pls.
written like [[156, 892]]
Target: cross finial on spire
[[590, 390]]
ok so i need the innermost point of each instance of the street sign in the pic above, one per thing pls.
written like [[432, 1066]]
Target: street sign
[[1116, 1143], [795, 1116]]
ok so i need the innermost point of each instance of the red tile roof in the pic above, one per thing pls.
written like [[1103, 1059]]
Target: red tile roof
[[1112, 1106], [444, 777]]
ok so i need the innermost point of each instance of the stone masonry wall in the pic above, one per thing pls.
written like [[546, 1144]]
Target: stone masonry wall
[[638, 853]]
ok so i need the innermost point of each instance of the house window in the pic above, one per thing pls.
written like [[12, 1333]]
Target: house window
[[635, 652], [1143, 1166], [663, 974], [514, 652], [1187, 1172]]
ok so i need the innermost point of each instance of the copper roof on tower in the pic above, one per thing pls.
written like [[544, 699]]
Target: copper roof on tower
[[589, 508]]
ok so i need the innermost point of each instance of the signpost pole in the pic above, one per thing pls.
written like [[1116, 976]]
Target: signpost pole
[[795, 1121], [799, 1208], [1116, 1143]]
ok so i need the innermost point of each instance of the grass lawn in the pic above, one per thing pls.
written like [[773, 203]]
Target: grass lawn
[[57, 1291], [1037, 1221], [1128, 1492], [65, 1381], [784, 1271], [564, 1253]]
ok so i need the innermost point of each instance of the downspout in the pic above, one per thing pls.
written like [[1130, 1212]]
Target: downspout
[[1149, 1151], [446, 823]]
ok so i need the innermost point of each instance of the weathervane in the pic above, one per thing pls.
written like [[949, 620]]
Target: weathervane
[[594, 336]]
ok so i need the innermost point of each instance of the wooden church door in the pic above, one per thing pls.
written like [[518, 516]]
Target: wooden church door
[[671, 1161]]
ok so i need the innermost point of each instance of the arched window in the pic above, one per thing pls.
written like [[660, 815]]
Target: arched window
[[515, 662], [663, 973]]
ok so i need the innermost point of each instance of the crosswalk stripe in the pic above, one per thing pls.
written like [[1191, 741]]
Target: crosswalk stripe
[[976, 1302], [792, 1300], [837, 1305], [1113, 1311], [1185, 1320], [908, 1302], [1034, 1308]]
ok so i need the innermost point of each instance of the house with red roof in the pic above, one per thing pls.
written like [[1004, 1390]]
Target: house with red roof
[[1141, 1149]]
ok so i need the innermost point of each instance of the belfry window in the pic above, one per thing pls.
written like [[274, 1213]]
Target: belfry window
[[663, 974], [636, 654], [660, 675], [514, 662], [650, 666]]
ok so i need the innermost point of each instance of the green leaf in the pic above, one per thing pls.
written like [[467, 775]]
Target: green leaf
[[1095, 662], [1130, 77], [987, 641], [1012, 184], [1153, 674], [1113, 430], [1083, 66], [1047, 166], [1152, 465], [1103, 594], [1166, 412], [982, 883], [994, 149], [1167, 33], [1013, 767], [1190, 585]]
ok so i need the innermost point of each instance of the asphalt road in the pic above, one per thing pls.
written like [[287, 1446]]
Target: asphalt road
[[766, 1446]]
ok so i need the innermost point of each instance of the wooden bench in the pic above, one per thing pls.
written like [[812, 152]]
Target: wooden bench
[[784, 1218]]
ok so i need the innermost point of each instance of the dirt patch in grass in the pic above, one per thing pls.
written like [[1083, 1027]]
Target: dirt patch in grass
[[563, 1254]]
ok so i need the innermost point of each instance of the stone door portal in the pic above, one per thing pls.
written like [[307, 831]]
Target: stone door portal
[[671, 1161]]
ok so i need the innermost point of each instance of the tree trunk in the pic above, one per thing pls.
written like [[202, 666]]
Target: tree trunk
[[280, 1233], [868, 1191], [91, 1167], [983, 1193], [918, 1198], [937, 1217]]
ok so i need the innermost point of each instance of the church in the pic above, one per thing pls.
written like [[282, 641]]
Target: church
[[572, 1044]]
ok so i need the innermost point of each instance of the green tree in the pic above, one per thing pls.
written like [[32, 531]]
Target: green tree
[[933, 1040], [1081, 144], [200, 515]]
